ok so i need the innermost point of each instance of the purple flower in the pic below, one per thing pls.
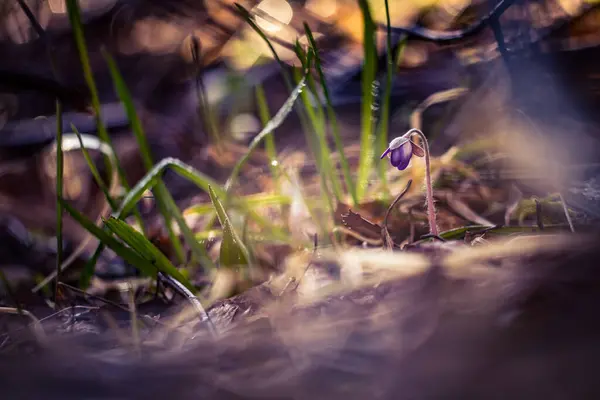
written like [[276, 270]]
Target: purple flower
[[401, 149]]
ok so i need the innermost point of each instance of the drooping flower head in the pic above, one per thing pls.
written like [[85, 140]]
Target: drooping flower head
[[401, 149]]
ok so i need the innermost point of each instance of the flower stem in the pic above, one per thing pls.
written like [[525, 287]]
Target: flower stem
[[431, 216]]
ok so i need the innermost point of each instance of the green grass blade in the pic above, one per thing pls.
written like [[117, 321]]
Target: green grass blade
[[286, 76], [273, 124], [248, 17], [138, 242], [317, 119], [107, 240], [94, 170], [459, 233], [59, 194], [265, 116], [71, 142], [75, 18], [199, 252], [233, 251], [88, 269], [318, 143], [332, 119], [383, 128], [161, 193], [125, 97], [368, 78], [253, 200], [205, 108], [151, 179]]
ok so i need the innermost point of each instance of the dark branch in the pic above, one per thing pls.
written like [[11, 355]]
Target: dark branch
[[452, 36]]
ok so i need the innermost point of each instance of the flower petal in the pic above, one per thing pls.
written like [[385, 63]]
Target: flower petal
[[385, 153], [401, 156], [397, 142]]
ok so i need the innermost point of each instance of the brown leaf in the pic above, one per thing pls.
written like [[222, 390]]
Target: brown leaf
[[357, 223]]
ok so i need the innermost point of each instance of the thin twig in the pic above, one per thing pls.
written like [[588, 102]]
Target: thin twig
[[450, 36], [356, 235], [566, 210], [38, 330], [538, 214], [188, 295], [297, 281], [385, 234]]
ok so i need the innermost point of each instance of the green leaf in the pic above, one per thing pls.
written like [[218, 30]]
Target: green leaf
[[233, 251]]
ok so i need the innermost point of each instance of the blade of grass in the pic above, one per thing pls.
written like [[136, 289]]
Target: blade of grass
[[273, 124], [332, 119], [161, 194], [260, 199], [265, 116], [318, 143], [286, 76], [248, 17], [70, 143], [367, 123], [199, 252], [88, 269], [75, 19], [138, 242], [205, 108], [233, 251], [107, 239], [94, 170], [317, 119], [151, 179], [459, 233], [383, 128], [256, 237], [59, 193]]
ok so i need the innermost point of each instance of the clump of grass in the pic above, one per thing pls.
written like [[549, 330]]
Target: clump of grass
[[332, 119], [141, 251], [315, 117]]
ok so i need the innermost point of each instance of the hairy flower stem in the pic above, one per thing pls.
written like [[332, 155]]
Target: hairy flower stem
[[431, 216]]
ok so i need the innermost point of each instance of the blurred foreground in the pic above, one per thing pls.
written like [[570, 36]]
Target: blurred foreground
[[313, 290]]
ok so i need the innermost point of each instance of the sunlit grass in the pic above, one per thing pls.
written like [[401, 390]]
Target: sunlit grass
[[367, 154], [317, 119]]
